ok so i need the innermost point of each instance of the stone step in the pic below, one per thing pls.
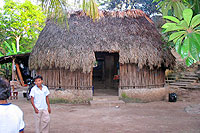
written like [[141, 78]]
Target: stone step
[[191, 78], [178, 84], [173, 75], [187, 72], [116, 103], [189, 75], [191, 87], [173, 86], [186, 80], [105, 98], [177, 87], [170, 81], [181, 80]]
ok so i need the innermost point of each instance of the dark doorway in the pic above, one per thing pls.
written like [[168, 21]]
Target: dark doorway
[[105, 74]]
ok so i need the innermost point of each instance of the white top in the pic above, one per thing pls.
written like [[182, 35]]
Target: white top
[[11, 119], [40, 97]]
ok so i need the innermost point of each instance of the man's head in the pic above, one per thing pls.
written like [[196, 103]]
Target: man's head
[[38, 80], [4, 89]]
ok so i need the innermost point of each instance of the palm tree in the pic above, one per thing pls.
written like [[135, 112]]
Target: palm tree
[[58, 8]]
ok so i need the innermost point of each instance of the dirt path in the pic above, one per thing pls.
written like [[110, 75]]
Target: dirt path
[[181, 117]]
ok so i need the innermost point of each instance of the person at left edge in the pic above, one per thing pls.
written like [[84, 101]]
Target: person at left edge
[[11, 116]]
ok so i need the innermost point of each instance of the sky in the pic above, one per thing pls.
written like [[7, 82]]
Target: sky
[[1, 3]]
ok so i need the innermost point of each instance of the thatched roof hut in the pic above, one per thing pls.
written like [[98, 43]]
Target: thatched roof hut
[[130, 34]]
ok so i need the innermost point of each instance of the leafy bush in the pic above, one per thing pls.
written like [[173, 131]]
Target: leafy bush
[[185, 34]]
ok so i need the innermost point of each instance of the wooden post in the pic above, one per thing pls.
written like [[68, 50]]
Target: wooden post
[[91, 76], [13, 72], [20, 75], [13, 78]]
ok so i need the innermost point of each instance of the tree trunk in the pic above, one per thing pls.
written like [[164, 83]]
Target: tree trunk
[[17, 43]]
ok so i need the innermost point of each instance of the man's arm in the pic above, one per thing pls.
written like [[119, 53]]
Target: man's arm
[[32, 102], [49, 108]]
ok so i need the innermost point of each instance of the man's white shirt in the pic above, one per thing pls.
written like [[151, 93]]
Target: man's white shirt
[[40, 97], [11, 119]]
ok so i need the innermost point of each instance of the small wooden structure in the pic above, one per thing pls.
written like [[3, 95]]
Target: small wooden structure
[[17, 74], [122, 44], [16, 60]]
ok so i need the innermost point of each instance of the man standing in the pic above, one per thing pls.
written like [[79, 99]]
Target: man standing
[[40, 102]]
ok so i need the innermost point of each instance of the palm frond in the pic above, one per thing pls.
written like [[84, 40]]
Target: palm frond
[[57, 9]]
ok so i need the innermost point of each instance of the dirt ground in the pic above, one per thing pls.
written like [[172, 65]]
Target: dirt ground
[[182, 116]]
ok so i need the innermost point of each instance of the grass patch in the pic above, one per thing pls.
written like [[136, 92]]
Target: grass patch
[[128, 99], [65, 101], [57, 100]]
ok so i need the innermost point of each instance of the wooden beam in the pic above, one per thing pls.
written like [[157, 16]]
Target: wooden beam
[[20, 75]]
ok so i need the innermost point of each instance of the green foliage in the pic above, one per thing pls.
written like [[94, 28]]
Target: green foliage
[[7, 49], [58, 9], [185, 34], [58, 100], [127, 99], [171, 7], [5, 70], [22, 21], [146, 5], [65, 101], [91, 9], [194, 5], [124, 95], [176, 7], [55, 9]]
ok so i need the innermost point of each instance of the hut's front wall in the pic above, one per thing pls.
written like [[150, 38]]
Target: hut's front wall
[[71, 86], [64, 79], [132, 77], [142, 85]]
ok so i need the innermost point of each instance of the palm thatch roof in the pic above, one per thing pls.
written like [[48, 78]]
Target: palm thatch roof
[[131, 33]]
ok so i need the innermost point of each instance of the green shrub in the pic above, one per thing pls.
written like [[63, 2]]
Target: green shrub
[[128, 99], [57, 100], [124, 95], [62, 100]]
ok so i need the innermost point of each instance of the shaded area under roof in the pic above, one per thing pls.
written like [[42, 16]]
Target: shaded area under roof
[[8, 59]]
